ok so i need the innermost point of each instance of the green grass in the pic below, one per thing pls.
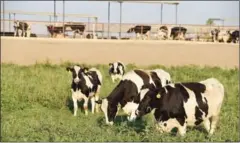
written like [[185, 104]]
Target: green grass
[[35, 107]]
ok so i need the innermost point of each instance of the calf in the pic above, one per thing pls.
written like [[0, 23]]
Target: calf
[[184, 104], [22, 29], [116, 70], [86, 84], [128, 93]]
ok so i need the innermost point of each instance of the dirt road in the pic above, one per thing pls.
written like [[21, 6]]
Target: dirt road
[[25, 51]]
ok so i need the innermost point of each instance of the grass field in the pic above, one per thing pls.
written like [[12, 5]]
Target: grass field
[[36, 107]]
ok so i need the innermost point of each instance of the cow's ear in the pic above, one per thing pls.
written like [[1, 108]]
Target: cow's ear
[[69, 69], [110, 64], [85, 69]]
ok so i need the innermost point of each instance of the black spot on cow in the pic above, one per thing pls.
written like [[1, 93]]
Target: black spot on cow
[[198, 89], [156, 79], [198, 116], [145, 77], [165, 124]]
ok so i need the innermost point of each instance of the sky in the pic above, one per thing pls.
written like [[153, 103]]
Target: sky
[[189, 12]]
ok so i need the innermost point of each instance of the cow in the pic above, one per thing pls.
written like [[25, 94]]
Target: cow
[[142, 31], [54, 30], [77, 28], [86, 84], [223, 36], [214, 34], [234, 36], [128, 92], [22, 29], [162, 33], [116, 70], [178, 33], [184, 104]]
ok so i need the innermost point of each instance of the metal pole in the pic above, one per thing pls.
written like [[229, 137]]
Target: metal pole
[[3, 17], [63, 18], [120, 30], [161, 12], [50, 18], [9, 22], [109, 6], [176, 14], [54, 12]]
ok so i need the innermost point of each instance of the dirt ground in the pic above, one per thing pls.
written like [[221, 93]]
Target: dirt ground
[[26, 51]]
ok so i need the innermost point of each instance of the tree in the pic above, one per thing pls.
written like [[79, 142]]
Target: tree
[[210, 22]]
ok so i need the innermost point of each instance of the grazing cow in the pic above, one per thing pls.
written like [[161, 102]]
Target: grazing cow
[[86, 84], [22, 29], [142, 31], [184, 104], [178, 33], [128, 93], [234, 36], [116, 70]]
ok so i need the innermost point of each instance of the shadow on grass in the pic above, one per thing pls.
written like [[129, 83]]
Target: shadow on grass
[[69, 104], [121, 121]]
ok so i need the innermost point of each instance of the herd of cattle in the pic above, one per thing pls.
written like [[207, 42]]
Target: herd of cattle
[[140, 92], [23, 29]]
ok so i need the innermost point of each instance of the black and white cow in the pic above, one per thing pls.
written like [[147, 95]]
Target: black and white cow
[[184, 104], [162, 33], [86, 84], [128, 92], [22, 29], [234, 36], [116, 70], [142, 31], [178, 33]]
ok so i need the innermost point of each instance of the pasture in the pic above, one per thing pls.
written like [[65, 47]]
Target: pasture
[[36, 106]]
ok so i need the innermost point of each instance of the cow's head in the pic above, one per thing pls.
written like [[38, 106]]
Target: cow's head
[[76, 71], [108, 109], [151, 100], [131, 30]]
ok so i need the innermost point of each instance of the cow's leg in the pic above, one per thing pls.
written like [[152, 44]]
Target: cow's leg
[[20, 32], [182, 130], [28, 33], [207, 125], [97, 106], [15, 32], [85, 105], [93, 104], [214, 121], [75, 105]]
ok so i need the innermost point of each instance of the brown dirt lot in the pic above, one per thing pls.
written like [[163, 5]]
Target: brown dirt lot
[[26, 51]]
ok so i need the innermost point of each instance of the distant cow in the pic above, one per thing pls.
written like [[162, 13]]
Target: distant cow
[[86, 84], [116, 70], [128, 93], [214, 34], [178, 33], [234, 36], [184, 104], [162, 33], [54, 30], [22, 29], [76, 28], [142, 31]]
